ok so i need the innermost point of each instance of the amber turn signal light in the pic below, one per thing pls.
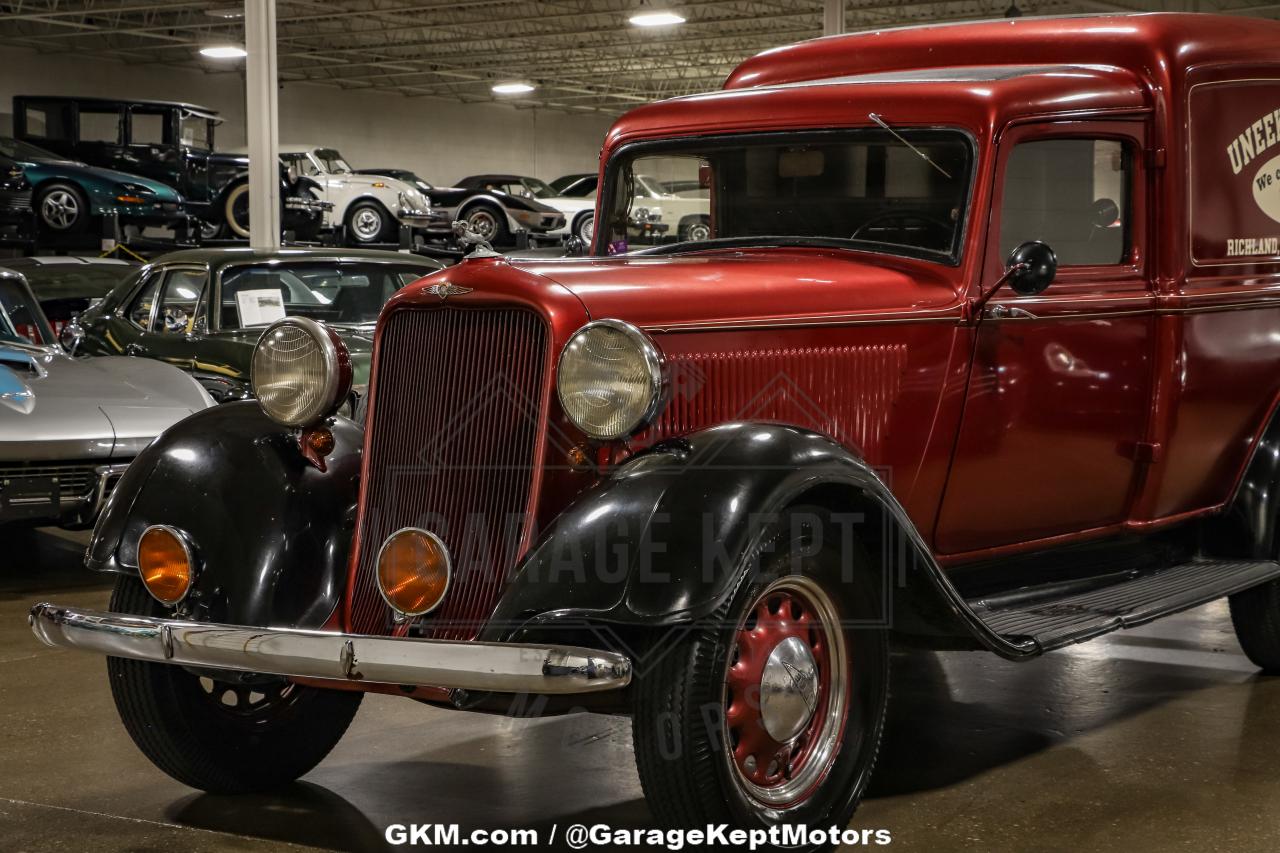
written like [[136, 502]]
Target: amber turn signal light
[[413, 571], [165, 563]]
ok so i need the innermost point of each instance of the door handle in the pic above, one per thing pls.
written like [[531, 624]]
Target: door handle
[[1007, 312]]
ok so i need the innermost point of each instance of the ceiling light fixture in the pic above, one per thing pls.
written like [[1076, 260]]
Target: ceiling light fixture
[[224, 51], [656, 18], [228, 13], [512, 88]]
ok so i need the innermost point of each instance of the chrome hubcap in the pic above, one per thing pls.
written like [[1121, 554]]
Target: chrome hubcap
[[60, 209], [786, 693], [367, 223], [788, 689], [588, 229], [699, 232]]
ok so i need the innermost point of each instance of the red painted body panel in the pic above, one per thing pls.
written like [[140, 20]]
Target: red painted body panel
[[1130, 401]]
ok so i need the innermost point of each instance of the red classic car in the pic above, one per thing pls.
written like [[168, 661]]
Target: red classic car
[[979, 350]]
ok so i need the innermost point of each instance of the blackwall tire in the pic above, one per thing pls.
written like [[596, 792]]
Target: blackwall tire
[[584, 229], [488, 223], [62, 208], [695, 727], [1255, 615], [191, 732], [367, 222], [235, 211]]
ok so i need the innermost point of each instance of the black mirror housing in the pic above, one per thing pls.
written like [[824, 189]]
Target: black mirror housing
[[1031, 268]]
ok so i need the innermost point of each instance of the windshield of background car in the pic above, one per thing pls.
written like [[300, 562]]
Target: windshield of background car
[[11, 147], [195, 131], [332, 161], [862, 189], [20, 322], [343, 293]]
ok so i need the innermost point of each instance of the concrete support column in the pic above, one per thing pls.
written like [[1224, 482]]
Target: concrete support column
[[262, 120], [832, 17]]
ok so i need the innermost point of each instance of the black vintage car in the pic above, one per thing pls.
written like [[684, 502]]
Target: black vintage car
[[487, 209], [166, 141]]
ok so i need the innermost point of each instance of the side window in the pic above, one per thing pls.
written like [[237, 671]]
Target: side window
[[100, 126], [139, 310], [1072, 194], [180, 303], [146, 128], [46, 120]]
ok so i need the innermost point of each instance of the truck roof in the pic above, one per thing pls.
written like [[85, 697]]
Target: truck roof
[[1138, 42], [973, 75], [973, 97]]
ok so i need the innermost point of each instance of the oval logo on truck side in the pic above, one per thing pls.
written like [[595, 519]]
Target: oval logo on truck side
[[1266, 188]]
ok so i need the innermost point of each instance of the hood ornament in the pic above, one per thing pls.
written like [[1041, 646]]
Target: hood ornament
[[444, 290], [468, 237]]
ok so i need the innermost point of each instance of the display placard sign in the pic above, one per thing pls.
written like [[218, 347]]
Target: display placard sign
[[260, 307], [1235, 172]]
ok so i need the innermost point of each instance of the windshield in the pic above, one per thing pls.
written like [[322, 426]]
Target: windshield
[[350, 293], [332, 161], [195, 131], [17, 150], [862, 189], [20, 321]]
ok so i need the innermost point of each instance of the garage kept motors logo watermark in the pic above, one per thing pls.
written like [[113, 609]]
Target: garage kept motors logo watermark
[[601, 836]]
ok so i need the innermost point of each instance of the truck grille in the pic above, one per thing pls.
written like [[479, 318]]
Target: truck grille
[[457, 413]]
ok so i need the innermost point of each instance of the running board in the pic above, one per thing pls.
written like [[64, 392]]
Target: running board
[[1066, 615]]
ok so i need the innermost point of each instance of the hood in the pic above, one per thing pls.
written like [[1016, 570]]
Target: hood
[[744, 286], [53, 406], [358, 180], [569, 206], [359, 341], [163, 192]]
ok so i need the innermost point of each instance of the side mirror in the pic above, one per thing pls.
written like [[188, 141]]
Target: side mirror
[[1105, 213], [1031, 268], [71, 336], [575, 247]]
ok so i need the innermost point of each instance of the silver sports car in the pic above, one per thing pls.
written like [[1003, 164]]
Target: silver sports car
[[69, 426]]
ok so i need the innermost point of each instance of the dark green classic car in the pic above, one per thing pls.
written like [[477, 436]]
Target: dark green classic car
[[164, 310]]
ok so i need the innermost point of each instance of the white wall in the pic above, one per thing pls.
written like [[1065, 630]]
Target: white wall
[[440, 140]]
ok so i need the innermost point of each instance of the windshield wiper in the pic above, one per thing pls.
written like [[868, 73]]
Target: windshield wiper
[[923, 156]]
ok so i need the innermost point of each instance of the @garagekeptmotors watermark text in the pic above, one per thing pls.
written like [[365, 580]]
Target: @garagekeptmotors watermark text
[[603, 836]]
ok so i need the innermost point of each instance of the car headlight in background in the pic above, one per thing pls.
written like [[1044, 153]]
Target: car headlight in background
[[301, 372], [611, 379]]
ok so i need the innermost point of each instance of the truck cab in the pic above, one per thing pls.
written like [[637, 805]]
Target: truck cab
[[975, 347]]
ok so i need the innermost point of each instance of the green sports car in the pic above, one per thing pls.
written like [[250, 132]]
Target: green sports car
[[203, 310], [66, 196]]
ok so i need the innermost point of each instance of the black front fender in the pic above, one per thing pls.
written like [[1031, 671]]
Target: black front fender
[[668, 535], [272, 532]]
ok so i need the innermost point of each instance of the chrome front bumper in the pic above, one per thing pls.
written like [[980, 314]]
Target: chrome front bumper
[[497, 667]]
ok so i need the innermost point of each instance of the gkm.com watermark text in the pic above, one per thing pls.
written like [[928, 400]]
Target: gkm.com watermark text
[[603, 836]]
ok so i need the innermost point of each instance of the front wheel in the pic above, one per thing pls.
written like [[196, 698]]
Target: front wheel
[[227, 736], [771, 711], [367, 222], [585, 228], [62, 209]]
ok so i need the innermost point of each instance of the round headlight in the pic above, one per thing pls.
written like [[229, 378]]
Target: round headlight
[[610, 379], [301, 372]]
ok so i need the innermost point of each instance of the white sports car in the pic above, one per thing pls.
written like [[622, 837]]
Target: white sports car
[[370, 206]]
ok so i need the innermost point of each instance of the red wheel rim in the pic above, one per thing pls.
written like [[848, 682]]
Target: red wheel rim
[[783, 769]]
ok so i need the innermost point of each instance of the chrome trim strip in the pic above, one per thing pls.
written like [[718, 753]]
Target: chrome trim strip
[[498, 667]]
